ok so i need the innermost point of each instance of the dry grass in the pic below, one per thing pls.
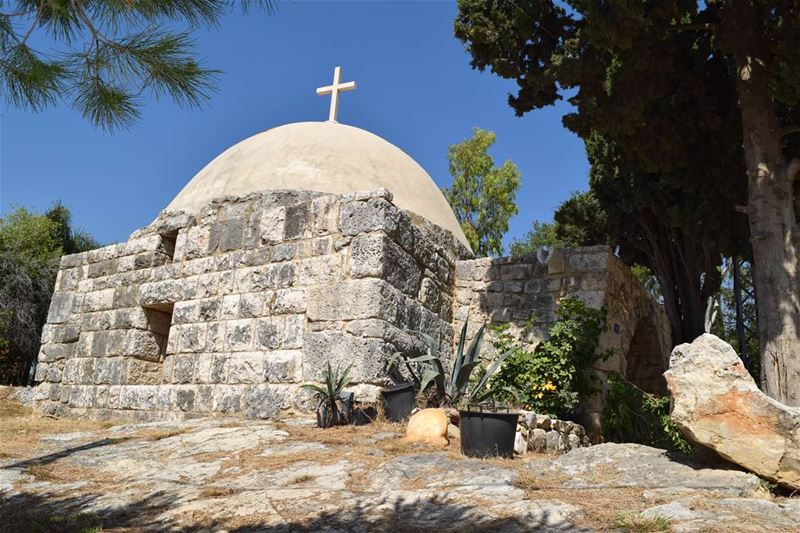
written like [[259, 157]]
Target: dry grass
[[639, 524], [64, 472], [21, 428], [218, 492], [159, 434], [602, 507]]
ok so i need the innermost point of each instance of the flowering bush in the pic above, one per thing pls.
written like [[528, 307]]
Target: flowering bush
[[555, 376]]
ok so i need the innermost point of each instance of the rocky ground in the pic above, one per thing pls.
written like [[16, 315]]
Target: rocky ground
[[236, 475]]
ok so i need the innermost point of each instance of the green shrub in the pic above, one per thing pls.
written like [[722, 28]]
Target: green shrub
[[632, 415], [556, 375]]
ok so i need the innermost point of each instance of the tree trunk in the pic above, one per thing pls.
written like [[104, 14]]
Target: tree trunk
[[771, 213]]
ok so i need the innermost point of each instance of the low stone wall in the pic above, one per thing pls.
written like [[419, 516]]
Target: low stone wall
[[543, 434], [232, 311], [523, 293]]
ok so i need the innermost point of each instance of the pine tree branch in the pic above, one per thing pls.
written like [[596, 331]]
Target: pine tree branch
[[696, 26]]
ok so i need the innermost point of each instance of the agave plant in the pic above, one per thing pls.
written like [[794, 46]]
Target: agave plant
[[333, 408], [456, 389]]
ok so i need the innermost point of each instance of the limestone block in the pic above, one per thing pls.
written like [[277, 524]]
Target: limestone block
[[98, 300], [139, 397], [60, 307], [81, 396], [73, 260], [265, 401], [230, 307], [41, 372], [215, 337], [141, 345], [226, 235], [269, 333], [251, 305], [68, 279], [325, 215], [239, 335], [363, 298], [203, 399], [148, 243], [227, 398], [272, 224], [72, 371], [318, 270], [246, 367], [289, 301], [183, 368], [362, 217], [132, 317], [283, 366], [293, 331], [110, 371], [165, 398], [368, 355], [283, 251], [185, 398], [185, 312], [404, 341], [581, 262], [297, 224], [143, 372], [208, 285], [191, 337], [53, 373], [54, 352], [167, 291], [376, 255], [114, 397]]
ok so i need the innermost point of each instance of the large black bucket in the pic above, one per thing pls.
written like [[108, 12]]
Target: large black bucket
[[398, 401], [487, 433]]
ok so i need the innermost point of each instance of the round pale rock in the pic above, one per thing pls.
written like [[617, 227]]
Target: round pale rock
[[428, 426], [717, 404]]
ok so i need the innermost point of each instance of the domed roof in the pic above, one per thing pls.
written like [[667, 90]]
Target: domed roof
[[319, 156]]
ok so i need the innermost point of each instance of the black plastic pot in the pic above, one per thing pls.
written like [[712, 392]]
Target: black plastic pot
[[326, 417], [398, 401], [364, 414], [487, 433]]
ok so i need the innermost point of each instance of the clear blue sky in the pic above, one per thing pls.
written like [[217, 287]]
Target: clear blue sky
[[415, 89]]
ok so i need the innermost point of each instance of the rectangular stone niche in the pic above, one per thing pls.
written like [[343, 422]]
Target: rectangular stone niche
[[159, 320]]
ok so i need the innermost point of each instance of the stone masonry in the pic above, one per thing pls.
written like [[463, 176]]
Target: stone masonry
[[231, 311]]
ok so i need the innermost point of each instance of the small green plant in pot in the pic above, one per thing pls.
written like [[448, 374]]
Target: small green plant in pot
[[335, 406], [485, 431]]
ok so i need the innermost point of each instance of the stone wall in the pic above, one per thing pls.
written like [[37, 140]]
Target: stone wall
[[524, 293], [231, 311]]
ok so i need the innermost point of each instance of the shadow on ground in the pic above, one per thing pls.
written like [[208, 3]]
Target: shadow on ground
[[27, 512]]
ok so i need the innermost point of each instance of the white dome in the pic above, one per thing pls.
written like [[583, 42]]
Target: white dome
[[319, 156]]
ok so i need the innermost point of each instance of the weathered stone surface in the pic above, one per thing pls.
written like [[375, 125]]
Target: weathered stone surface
[[60, 307], [368, 356], [717, 404]]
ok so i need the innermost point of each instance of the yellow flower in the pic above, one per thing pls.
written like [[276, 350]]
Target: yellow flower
[[540, 395], [549, 386]]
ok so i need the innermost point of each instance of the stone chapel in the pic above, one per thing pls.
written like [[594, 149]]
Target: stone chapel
[[307, 243]]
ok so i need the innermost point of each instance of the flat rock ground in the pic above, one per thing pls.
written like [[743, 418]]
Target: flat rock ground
[[235, 475]]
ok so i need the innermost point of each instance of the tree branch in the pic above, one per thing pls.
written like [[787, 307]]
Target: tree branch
[[792, 169], [788, 130], [697, 26]]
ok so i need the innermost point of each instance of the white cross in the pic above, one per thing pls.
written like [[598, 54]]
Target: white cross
[[334, 90]]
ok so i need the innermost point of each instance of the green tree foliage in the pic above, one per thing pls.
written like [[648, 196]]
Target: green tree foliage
[[105, 54], [579, 221], [662, 136], [696, 105], [30, 248], [482, 195]]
